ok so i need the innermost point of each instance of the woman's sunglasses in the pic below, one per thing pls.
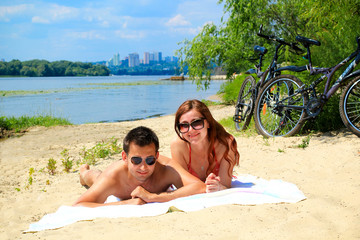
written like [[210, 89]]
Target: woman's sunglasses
[[149, 160], [197, 124]]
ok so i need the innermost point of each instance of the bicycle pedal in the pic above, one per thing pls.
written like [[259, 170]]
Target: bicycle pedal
[[237, 118]]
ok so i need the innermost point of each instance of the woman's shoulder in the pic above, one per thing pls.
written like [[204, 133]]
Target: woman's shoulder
[[178, 142]]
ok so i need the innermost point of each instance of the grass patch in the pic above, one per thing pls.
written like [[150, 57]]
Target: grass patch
[[305, 143], [102, 149], [229, 125], [10, 125], [36, 92], [211, 103], [145, 83]]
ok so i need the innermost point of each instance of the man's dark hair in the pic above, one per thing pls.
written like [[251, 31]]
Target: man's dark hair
[[141, 136]]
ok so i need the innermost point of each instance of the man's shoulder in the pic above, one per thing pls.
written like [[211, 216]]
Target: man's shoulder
[[164, 168], [115, 168]]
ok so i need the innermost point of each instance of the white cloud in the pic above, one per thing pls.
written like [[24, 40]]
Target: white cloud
[[8, 11], [54, 13], [37, 19], [130, 34], [89, 35], [200, 11], [186, 31], [178, 20]]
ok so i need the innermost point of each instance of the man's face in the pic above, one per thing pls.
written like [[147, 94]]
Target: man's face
[[141, 171]]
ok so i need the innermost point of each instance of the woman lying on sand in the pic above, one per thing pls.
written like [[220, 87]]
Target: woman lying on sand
[[203, 147]]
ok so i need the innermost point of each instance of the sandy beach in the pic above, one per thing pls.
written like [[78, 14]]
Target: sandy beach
[[327, 172]]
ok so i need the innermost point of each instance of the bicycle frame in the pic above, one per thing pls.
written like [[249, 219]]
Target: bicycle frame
[[329, 72]]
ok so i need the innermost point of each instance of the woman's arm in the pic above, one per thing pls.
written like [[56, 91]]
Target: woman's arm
[[223, 180]]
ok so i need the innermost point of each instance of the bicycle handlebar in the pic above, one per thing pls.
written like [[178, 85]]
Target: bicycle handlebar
[[279, 40]]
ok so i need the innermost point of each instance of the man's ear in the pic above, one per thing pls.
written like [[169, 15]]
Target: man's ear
[[157, 155], [124, 156]]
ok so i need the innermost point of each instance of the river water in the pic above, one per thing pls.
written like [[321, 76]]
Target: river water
[[98, 99]]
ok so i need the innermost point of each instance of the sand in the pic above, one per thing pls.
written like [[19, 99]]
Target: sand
[[327, 171]]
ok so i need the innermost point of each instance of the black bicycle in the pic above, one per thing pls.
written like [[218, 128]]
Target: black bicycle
[[249, 89], [285, 103]]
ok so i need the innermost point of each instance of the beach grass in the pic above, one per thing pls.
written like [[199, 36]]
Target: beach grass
[[18, 124], [137, 83], [228, 124]]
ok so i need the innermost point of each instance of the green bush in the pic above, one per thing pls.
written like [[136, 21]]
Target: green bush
[[20, 123], [231, 88]]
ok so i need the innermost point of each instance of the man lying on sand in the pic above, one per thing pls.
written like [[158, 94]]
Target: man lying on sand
[[139, 178]]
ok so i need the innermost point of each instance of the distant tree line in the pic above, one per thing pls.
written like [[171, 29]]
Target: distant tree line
[[43, 68]]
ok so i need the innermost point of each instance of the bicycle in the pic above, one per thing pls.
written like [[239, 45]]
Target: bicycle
[[249, 89], [285, 103]]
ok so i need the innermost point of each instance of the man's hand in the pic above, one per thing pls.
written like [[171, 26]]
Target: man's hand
[[140, 192], [213, 183], [134, 201]]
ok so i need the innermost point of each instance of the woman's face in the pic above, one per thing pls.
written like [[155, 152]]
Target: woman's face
[[189, 121]]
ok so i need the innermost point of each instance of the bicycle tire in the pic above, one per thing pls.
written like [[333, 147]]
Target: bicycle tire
[[349, 106], [271, 115], [244, 104]]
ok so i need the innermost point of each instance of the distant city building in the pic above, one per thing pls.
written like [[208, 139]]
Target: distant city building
[[146, 58], [116, 59], [167, 59], [134, 60], [151, 57], [157, 56], [174, 59]]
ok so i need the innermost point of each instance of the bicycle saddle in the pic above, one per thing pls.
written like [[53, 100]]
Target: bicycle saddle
[[261, 50], [307, 41]]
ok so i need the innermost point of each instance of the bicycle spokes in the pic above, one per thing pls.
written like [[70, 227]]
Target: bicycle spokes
[[281, 109]]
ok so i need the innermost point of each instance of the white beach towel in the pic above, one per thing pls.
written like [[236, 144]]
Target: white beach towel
[[246, 190]]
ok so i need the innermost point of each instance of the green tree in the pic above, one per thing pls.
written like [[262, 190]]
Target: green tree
[[14, 67], [28, 71], [230, 45], [45, 70]]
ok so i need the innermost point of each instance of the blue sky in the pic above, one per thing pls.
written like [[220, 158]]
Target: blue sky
[[80, 30]]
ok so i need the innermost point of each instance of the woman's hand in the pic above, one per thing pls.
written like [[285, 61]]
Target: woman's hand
[[213, 183]]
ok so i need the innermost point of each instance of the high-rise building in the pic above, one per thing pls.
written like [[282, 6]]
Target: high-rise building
[[157, 56], [146, 57], [116, 59], [151, 57], [134, 60]]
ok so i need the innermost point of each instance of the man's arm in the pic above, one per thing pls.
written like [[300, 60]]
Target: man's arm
[[96, 195], [133, 201], [185, 183]]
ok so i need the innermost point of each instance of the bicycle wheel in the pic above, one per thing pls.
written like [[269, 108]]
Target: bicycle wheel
[[244, 104], [279, 109], [350, 106]]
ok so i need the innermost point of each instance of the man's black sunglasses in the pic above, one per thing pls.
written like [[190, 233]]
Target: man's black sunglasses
[[197, 124], [149, 160]]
